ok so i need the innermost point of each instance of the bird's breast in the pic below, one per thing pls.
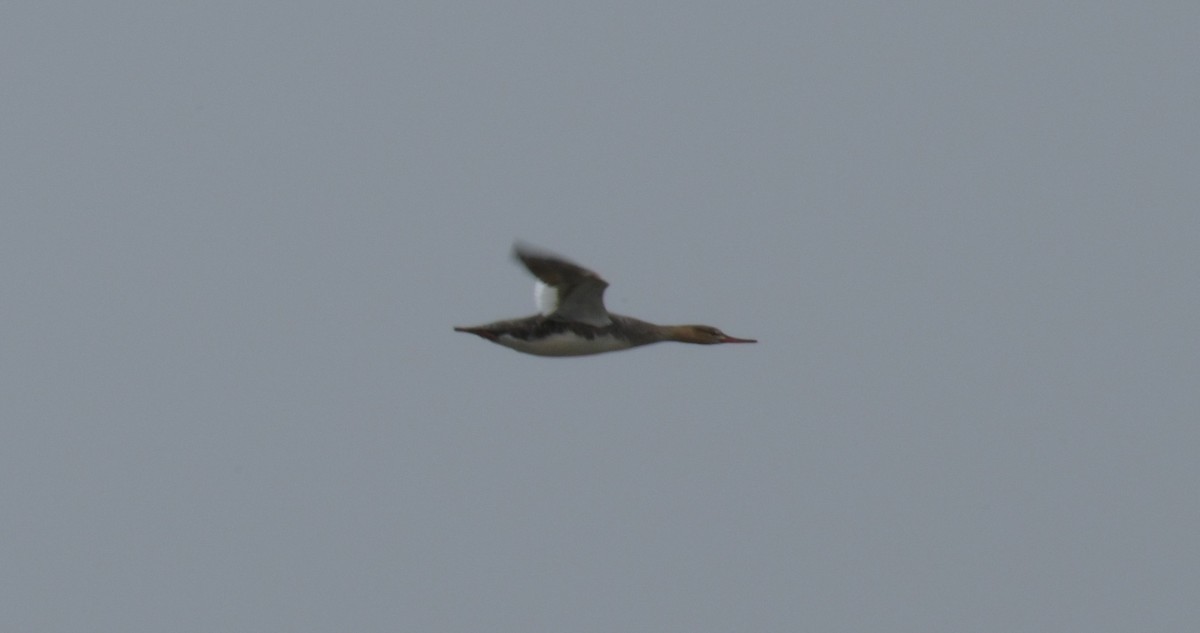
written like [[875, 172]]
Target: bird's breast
[[564, 344]]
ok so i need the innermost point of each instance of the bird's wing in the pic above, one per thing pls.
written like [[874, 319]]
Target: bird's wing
[[571, 292]]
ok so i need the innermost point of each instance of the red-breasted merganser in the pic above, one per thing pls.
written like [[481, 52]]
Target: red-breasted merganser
[[573, 320]]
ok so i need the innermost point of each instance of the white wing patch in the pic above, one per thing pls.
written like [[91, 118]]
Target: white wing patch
[[545, 298]]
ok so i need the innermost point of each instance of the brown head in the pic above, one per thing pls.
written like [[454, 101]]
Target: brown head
[[702, 335]]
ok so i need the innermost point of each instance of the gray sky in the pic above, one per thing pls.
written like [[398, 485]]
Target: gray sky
[[235, 238]]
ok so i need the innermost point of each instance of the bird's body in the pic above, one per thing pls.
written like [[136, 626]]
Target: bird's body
[[573, 320]]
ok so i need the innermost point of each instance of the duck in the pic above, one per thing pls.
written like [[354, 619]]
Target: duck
[[572, 319]]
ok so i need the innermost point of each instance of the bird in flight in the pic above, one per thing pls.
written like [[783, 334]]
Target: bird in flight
[[572, 320]]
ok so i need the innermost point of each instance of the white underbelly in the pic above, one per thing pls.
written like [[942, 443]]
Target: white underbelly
[[564, 344]]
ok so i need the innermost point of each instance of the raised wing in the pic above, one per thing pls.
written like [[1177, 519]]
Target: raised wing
[[574, 293]]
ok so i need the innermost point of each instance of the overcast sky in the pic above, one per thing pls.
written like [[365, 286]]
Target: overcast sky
[[234, 239]]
